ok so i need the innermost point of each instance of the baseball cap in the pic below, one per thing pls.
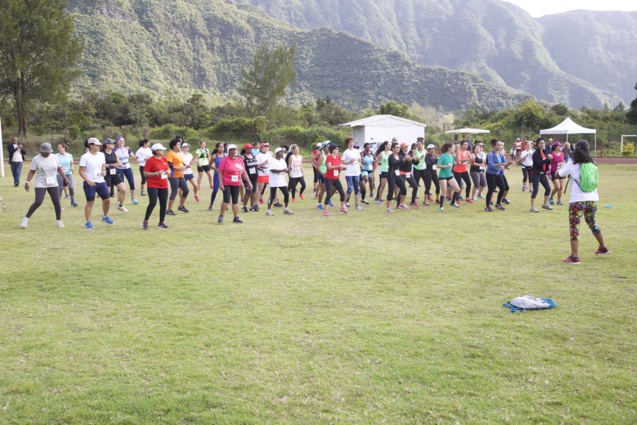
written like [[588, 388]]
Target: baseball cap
[[318, 145], [157, 147], [247, 146], [325, 143], [93, 141], [277, 150], [232, 147], [431, 146], [395, 139], [108, 141], [556, 143], [185, 145], [403, 145], [46, 148]]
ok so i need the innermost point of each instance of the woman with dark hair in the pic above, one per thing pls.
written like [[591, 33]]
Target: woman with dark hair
[[477, 172], [124, 170], [581, 203], [217, 157], [334, 167], [112, 178], [231, 172], [250, 163], [540, 168], [319, 162], [496, 161], [203, 164], [351, 158], [445, 164], [142, 154], [66, 162], [526, 161], [420, 166], [557, 159], [431, 175], [176, 177], [189, 176], [382, 158], [406, 176], [367, 175], [460, 173], [156, 169], [393, 177], [277, 170], [295, 165]]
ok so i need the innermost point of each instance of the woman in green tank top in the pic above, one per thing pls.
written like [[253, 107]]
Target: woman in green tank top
[[382, 158], [322, 167]]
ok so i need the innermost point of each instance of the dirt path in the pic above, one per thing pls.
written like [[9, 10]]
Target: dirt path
[[616, 160]]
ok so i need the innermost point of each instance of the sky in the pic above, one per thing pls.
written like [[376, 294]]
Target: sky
[[539, 8]]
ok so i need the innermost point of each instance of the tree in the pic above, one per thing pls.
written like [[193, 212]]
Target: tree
[[270, 74], [38, 52], [632, 112]]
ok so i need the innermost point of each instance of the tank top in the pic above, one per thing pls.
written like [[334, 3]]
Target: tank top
[[323, 166], [556, 159], [218, 160], [123, 154], [251, 166], [368, 162], [384, 162], [420, 156], [477, 168], [462, 167], [297, 164]]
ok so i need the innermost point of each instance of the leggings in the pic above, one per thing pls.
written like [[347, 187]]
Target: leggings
[[316, 174], [420, 175], [575, 212], [479, 180], [231, 193], [494, 180], [141, 172], [61, 185], [393, 180], [215, 190], [467, 180], [54, 193], [154, 194], [429, 177], [505, 182], [413, 185], [329, 183], [292, 185], [284, 190], [525, 174], [128, 172], [177, 183], [353, 184], [536, 179]]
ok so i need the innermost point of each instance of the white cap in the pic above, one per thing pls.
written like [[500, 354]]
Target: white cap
[[277, 150], [395, 139], [185, 145], [318, 145], [94, 141], [232, 147], [157, 146], [431, 146]]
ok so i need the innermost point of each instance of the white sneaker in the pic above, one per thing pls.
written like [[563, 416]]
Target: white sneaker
[[287, 211], [268, 212], [359, 208], [24, 223], [122, 209], [60, 224]]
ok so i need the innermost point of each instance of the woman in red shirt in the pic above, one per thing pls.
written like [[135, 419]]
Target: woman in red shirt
[[156, 171], [231, 170], [334, 168], [463, 157]]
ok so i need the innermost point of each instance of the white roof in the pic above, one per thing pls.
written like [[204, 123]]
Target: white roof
[[383, 121], [468, 130], [568, 126]]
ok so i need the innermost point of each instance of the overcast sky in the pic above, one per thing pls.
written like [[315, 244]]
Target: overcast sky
[[546, 7]]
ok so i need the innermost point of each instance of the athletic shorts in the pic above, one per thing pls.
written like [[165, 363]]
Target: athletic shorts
[[321, 179], [112, 179], [100, 188], [446, 178], [383, 174], [205, 168], [189, 176], [263, 179]]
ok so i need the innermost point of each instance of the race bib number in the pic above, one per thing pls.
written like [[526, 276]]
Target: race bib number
[[407, 176], [481, 168], [252, 170], [164, 176], [433, 167], [234, 179], [51, 180], [127, 166], [335, 173], [397, 172], [112, 171]]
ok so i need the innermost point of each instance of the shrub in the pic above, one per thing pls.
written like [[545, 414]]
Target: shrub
[[305, 137], [236, 129], [629, 149]]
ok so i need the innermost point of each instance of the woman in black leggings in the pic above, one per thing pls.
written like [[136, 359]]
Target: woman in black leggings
[[431, 174], [541, 162], [496, 161], [156, 170], [394, 178]]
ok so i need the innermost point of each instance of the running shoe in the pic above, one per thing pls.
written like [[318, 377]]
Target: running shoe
[[237, 220], [106, 219], [288, 211], [524, 188], [220, 219], [602, 251], [302, 197], [474, 199], [430, 198], [481, 196], [142, 193], [122, 209], [319, 207], [210, 207], [278, 204], [571, 260], [499, 207], [455, 204], [359, 208], [60, 224], [170, 212], [560, 203], [261, 201], [488, 209], [460, 199], [402, 207], [534, 210], [551, 201], [145, 225], [88, 225], [330, 203], [379, 201], [547, 207], [73, 203], [67, 196], [425, 203], [254, 208], [413, 205], [365, 201], [293, 200], [326, 214], [24, 223], [134, 201], [182, 209], [197, 198], [244, 210], [389, 210], [269, 212], [162, 226], [469, 201], [344, 210], [506, 201], [441, 209], [346, 204]]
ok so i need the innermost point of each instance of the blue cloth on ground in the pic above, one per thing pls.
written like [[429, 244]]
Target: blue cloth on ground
[[514, 309]]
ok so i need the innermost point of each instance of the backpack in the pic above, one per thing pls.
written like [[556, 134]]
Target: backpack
[[588, 177]]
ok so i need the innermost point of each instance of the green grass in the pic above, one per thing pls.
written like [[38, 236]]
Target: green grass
[[364, 318]]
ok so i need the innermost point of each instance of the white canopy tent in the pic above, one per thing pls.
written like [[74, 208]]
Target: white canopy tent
[[568, 126]]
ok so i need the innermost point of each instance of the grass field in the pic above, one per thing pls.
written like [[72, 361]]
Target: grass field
[[360, 318]]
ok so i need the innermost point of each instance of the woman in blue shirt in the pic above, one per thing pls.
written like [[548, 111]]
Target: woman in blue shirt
[[495, 163], [66, 162]]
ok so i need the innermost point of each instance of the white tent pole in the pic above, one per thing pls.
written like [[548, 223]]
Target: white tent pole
[[595, 144], [1, 152]]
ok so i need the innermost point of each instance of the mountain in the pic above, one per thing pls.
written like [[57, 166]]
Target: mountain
[[166, 47], [598, 47], [491, 38]]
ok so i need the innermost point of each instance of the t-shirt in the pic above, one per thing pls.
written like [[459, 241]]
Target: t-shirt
[[142, 155], [446, 159], [296, 169], [153, 165], [123, 154], [264, 160], [573, 170], [203, 157], [46, 170], [277, 179], [232, 170], [334, 162], [526, 158], [187, 160], [353, 169], [65, 162], [178, 161], [93, 166]]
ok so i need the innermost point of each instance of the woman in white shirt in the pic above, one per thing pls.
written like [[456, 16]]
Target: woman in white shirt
[[188, 174], [295, 165], [45, 167], [142, 154], [581, 203], [526, 161]]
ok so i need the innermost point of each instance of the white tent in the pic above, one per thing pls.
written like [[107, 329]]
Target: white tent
[[568, 126], [467, 130]]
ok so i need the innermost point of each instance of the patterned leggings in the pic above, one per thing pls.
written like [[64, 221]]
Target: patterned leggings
[[575, 212]]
